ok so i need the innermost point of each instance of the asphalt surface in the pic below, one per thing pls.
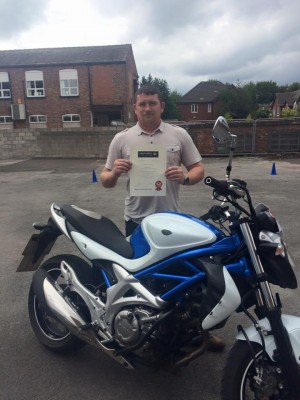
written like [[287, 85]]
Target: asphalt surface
[[27, 189]]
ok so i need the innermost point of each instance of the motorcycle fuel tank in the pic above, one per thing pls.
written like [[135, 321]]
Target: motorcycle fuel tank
[[180, 231]]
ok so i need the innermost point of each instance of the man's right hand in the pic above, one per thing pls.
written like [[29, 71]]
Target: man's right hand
[[121, 166], [109, 177]]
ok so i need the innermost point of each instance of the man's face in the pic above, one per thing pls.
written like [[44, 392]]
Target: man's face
[[148, 108]]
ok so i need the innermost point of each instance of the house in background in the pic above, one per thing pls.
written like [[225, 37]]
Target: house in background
[[202, 102], [67, 87], [285, 100]]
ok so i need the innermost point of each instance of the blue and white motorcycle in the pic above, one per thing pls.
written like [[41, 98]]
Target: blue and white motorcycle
[[152, 301]]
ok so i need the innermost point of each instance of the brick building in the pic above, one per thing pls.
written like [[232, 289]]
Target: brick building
[[285, 100], [67, 87], [202, 102]]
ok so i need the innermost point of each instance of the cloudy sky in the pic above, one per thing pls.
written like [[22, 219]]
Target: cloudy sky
[[181, 41]]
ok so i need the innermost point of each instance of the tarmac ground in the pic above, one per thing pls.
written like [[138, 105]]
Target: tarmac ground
[[27, 189]]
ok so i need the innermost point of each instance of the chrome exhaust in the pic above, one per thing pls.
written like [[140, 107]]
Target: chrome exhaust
[[51, 297]]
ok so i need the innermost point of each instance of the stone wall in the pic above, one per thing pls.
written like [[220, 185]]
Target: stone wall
[[94, 142], [55, 143]]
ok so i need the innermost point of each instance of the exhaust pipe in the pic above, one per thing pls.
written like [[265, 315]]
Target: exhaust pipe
[[50, 297]]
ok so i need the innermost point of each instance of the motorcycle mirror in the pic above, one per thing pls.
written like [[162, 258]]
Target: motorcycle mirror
[[221, 132]]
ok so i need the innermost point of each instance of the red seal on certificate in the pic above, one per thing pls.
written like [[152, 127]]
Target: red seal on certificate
[[158, 185]]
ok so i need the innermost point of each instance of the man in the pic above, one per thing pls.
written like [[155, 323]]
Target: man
[[150, 129]]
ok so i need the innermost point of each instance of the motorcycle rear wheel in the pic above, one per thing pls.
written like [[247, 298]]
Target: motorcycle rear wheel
[[46, 327], [238, 381]]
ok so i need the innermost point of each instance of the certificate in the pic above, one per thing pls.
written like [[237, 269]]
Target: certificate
[[147, 174]]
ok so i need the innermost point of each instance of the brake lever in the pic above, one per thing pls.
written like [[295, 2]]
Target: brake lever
[[240, 193]]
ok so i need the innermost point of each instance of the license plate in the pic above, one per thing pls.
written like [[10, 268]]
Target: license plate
[[37, 247]]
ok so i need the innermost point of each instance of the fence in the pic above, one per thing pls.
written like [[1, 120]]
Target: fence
[[253, 137]]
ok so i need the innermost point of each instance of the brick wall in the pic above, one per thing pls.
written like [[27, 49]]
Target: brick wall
[[94, 142]]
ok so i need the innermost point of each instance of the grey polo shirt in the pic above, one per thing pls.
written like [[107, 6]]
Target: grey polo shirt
[[180, 150]]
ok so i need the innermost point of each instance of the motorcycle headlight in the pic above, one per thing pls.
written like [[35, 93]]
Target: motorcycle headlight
[[278, 264]]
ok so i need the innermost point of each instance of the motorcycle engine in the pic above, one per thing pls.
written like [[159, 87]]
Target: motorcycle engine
[[131, 325]]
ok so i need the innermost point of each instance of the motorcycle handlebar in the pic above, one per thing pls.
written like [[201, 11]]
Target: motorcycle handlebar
[[221, 187]]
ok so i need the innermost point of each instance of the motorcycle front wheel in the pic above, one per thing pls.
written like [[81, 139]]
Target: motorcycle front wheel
[[46, 327], [243, 381]]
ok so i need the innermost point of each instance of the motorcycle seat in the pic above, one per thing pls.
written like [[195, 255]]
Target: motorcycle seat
[[98, 228]]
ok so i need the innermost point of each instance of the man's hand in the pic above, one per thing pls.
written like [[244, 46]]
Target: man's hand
[[121, 166], [195, 173], [175, 173], [109, 177]]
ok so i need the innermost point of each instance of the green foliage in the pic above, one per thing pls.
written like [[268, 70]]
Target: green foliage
[[235, 101], [288, 113], [262, 113], [239, 101], [227, 115], [252, 99], [266, 92], [170, 98], [293, 87]]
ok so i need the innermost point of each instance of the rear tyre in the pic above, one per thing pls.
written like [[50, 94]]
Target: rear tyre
[[46, 327], [239, 383]]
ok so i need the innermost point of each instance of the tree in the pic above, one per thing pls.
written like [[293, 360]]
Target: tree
[[288, 112], [244, 100], [266, 91], [170, 98], [293, 87], [235, 101]]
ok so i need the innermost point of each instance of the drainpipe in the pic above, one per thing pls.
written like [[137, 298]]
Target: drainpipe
[[90, 94], [254, 136]]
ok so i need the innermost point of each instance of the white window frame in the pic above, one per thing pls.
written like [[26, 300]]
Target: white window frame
[[71, 118], [209, 107], [38, 119], [194, 108], [68, 79], [5, 92], [6, 119], [35, 84]]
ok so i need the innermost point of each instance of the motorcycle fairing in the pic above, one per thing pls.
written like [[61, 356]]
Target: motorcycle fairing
[[95, 251], [292, 326], [164, 231], [169, 229], [221, 296], [279, 268]]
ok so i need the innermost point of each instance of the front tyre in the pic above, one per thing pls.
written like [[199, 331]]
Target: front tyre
[[46, 327], [242, 381]]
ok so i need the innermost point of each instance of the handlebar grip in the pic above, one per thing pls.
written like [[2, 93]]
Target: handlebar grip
[[221, 187]]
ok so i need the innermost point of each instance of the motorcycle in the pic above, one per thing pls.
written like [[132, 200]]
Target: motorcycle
[[152, 301]]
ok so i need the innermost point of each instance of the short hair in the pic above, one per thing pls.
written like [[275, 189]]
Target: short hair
[[148, 90]]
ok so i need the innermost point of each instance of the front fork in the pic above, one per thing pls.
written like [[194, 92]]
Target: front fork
[[273, 314]]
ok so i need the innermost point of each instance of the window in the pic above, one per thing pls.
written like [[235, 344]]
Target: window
[[68, 82], [209, 107], [194, 108], [71, 118], [6, 119], [36, 119], [34, 83], [4, 85]]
